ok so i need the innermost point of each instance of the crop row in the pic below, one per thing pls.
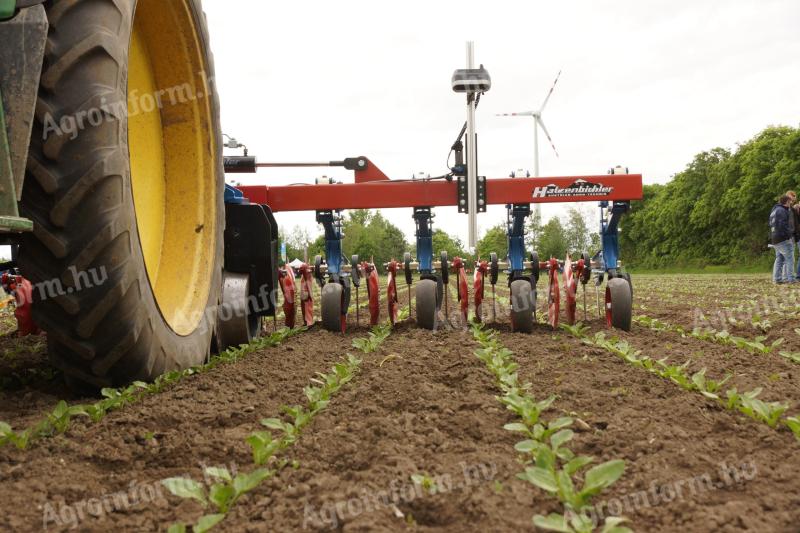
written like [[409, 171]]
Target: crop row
[[724, 338], [60, 419], [770, 413], [549, 464], [267, 445]]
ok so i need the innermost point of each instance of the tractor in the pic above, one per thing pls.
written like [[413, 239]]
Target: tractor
[[111, 162], [134, 256]]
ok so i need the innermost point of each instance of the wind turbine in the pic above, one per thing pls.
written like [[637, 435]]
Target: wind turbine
[[537, 123]]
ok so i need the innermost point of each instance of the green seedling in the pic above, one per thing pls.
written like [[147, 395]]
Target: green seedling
[[578, 523], [9, 436], [264, 446], [221, 495], [708, 387], [427, 483], [578, 330], [548, 476], [794, 357], [768, 412], [757, 346], [404, 313], [762, 324], [60, 417], [793, 423], [372, 342]]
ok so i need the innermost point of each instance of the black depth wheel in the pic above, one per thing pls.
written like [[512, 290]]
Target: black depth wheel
[[627, 277], [619, 308], [331, 307], [523, 302], [427, 304]]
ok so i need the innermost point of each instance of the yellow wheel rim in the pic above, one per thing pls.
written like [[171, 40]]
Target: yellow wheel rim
[[173, 154]]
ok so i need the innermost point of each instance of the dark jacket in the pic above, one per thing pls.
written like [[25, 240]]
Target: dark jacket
[[780, 228]]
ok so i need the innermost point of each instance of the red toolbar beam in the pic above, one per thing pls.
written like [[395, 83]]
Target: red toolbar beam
[[389, 194]]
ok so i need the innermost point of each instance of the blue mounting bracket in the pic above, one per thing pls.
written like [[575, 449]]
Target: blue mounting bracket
[[609, 233], [515, 227], [332, 223], [423, 216], [234, 195]]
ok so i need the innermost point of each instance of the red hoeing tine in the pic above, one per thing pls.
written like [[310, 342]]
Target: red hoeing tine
[[391, 291], [288, 289], [307, 294]]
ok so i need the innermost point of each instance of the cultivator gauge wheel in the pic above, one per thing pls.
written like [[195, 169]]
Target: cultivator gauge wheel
[[236, 325], [523, 302], [333, 318], [619, 307], [427, 307]]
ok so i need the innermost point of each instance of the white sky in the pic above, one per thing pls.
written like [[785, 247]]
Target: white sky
[[644, 84]]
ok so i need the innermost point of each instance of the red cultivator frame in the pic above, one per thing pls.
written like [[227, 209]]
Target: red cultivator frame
[[461, 187]]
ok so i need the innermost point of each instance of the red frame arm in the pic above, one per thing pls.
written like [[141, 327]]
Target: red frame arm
[[391, 194]]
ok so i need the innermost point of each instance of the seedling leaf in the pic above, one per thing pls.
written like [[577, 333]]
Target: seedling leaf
[[246, 482], [186, 488], [544, 479], [602, 476], [552, 522], [207, 522], [218, 473]]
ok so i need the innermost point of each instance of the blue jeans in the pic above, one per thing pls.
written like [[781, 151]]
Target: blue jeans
[[783, 271]]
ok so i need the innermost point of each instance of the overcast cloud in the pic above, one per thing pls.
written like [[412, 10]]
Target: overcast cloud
[[644, 84]]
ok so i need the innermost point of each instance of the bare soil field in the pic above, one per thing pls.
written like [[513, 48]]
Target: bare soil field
[[420, 435]]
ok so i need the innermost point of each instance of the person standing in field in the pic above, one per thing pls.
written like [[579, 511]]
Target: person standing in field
[[795, 212], [782, 237]]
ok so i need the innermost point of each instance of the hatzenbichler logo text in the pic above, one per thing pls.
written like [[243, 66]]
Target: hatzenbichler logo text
[[579, 188]]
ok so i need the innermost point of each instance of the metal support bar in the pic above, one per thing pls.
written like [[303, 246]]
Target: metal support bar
[[472, 158]]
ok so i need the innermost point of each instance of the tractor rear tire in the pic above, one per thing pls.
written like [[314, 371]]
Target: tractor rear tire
[[619, 307], [523, 303], [124, 184], [427, 307], [331, 307]]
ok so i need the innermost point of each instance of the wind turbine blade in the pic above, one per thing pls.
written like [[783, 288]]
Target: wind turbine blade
[[547, 133], [550, 93], [520, 114]]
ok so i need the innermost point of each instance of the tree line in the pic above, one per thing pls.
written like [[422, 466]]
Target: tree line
[[715, 211]]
